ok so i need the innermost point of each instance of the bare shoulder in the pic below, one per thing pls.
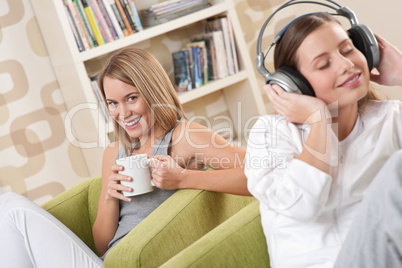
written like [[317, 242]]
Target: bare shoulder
[[190, 130], [196, 137]]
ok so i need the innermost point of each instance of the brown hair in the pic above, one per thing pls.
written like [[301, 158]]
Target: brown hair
[[286, 48], [140, 69]]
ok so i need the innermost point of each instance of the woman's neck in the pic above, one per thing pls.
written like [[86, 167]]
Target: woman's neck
[[343, 124]]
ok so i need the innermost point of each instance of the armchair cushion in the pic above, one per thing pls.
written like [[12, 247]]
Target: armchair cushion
[[181, 220], [77, 208], [238, 242], [177, 223]]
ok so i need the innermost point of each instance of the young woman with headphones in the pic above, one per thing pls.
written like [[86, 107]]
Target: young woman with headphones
[[334, 140]]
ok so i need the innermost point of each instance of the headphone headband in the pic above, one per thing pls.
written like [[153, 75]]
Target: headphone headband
[[336, 7], [361, 36]]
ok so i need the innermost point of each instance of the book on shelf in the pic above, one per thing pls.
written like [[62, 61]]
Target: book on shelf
[[136, 15], [223, 24], [106, 18], [96, 22], [93, 23], [99, 98], [121, 17], [202, 60], [127, 10], [87, 25], [209, 53], [233, 45], [181, 66], [198, 77], [126, 22], [111, 16], [118, 17], [217, 62], [105, 31], [169, 10], [74, 29], [75, 15]]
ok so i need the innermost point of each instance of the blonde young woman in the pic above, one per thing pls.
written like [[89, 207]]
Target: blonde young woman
[[322, 153], [148, 119]]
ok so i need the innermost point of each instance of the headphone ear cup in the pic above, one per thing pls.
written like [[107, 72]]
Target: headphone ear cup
[[298, 79], [365, 41]]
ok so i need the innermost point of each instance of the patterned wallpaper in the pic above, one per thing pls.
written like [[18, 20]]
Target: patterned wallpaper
[[35, 157]]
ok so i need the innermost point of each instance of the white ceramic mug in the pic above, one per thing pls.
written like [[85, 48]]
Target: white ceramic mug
[[137, 167]]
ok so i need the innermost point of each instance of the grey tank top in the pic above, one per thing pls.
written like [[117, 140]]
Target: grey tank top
[[132, 213]]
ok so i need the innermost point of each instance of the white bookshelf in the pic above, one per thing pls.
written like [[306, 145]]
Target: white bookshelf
[[72, 68]]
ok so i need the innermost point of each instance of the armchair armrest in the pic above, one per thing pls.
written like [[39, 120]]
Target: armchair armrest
[[77, 207], [177, 223], [238, 242]]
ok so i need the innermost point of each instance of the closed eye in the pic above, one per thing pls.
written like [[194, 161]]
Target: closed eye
[[325, 66], [347, 47], [347, 51]]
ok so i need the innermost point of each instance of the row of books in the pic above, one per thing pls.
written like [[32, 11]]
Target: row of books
[[171, 9], [210, 56], [96, 22], [102, 106]]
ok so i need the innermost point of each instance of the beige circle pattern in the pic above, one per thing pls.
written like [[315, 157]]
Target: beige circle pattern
[[35, 157]]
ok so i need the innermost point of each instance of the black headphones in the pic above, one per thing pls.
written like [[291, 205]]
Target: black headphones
[[289, 78]]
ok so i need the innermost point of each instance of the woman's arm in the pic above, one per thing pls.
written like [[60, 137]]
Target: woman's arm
[[302, 109], [107, 218], [291, 176], [277, 178], [193, 144]]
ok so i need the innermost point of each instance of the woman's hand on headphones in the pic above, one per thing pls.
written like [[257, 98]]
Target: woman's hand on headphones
[[295, 108], [390, 65]]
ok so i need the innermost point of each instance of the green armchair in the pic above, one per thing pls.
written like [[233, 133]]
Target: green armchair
[[192, 228]]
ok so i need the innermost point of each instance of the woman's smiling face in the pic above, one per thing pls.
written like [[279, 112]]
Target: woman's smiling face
[[336, 70], [127, 107]]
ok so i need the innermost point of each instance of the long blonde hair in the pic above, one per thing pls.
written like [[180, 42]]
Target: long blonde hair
[[140, 69]]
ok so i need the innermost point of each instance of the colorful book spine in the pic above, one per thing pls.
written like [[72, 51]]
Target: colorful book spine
[[113, 19], [127, 11], [118, 17], [88, 27], [75, 19], [136, 15], [197, 67], [107, 20], [94, 24], [100, 21], [181, 68], [211, 53], [123, 16], [74, 29], [83, 27]]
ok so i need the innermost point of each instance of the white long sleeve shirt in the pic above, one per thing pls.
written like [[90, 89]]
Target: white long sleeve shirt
[[305, 212]]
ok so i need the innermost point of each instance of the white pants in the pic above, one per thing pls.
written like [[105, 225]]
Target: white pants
[[32, 237], [375, 237]]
